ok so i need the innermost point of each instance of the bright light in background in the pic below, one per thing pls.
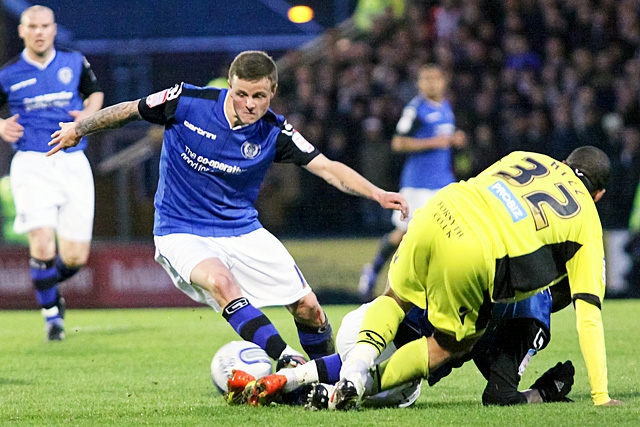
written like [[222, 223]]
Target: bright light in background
[[300, 14]]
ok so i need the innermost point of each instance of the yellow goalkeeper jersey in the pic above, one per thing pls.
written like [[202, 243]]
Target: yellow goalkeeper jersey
[[518, 227], [541, 222]]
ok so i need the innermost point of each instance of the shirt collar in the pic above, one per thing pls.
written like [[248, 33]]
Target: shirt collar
[[37, 64]]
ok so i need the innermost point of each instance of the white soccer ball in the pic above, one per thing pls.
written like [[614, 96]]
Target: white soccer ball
[[243, 355]]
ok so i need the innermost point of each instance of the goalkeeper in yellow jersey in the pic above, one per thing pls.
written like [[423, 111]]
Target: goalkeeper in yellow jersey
[[523, 224]]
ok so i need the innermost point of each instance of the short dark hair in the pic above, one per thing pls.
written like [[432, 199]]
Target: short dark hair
[[591, 165], [254, 65]]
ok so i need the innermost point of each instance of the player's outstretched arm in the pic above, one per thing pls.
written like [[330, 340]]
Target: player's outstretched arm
[[70, 134], [591, 337], [349, 181], [409, 144]]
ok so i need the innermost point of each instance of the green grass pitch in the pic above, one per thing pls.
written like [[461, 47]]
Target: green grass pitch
[[150, 367]]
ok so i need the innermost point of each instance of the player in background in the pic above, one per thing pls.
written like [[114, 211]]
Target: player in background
[[54, 197], [519, 226], [426, 132], [516, 332], [217, 147]]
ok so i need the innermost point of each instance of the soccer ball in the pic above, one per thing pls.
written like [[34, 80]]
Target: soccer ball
[[243, 355]]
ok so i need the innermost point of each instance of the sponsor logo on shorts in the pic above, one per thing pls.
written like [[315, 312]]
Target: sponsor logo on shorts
[[508, 199]]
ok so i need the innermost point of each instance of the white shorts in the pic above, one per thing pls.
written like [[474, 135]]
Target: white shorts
[[54, 192], [266, 272], [416, 198], [348, 334], [401, 396]]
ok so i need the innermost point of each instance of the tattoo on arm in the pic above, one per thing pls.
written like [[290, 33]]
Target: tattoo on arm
[[350, 190], [109, 118]]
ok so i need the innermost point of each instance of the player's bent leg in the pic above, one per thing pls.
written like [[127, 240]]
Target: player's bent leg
[[314, 330], [503, 354], [252, 325], [45, 279], [248, 321], [73, 254], [46, 271], [379, 326], [408, 363]]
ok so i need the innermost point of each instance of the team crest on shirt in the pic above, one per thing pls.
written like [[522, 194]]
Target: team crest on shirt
[[65, 75], [250, 150]]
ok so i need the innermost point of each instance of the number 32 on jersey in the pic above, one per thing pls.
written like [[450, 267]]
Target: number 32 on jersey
[[538, 198]]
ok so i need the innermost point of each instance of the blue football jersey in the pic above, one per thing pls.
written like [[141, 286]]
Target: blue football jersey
[[431, 169], [211, 172], [43, 95]]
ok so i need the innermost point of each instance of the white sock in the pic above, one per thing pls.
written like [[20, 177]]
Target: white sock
[[300, 375], [356, 372], [363, 352]]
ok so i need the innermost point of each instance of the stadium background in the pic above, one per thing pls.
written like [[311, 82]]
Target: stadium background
[[538, 75]]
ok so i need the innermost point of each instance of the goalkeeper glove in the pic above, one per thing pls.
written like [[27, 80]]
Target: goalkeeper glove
[[555, 384]]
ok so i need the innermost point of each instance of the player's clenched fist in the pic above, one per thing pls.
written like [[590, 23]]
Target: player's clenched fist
[[10, 129]]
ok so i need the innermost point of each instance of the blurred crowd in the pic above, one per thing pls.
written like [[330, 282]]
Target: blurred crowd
[[538, 75]]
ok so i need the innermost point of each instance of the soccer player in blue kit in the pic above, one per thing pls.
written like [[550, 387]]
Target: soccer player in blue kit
[[426, 132], [217, 147], [54, 197]]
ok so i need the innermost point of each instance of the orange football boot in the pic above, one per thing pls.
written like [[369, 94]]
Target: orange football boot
[[266, 390], [236, 386]]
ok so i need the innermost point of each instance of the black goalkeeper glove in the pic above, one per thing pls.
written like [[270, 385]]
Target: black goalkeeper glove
[[555, 384]]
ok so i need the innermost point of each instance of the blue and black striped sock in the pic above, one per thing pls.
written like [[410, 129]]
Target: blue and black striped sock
[[316, 342], [252, 325], [45, 278], [46, 275], [329, 368]]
